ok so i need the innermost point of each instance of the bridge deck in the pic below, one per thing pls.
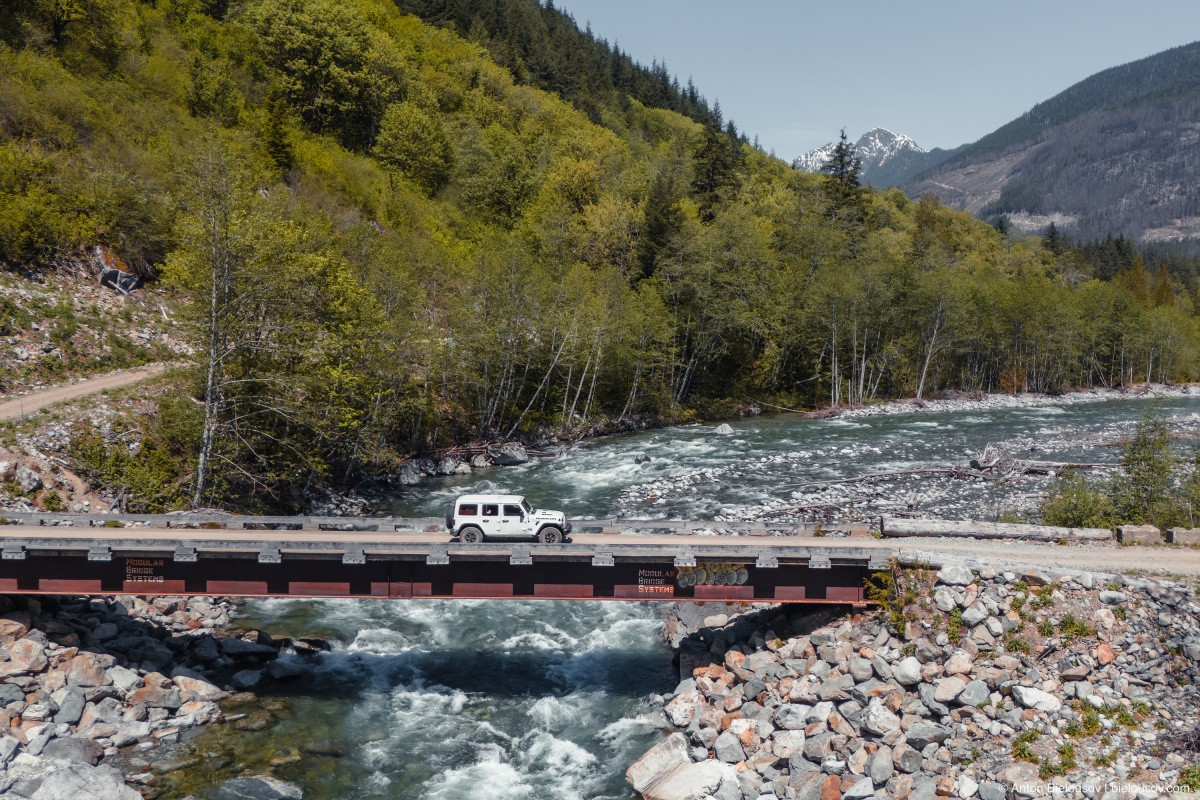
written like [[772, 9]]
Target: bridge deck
[[77, 554]]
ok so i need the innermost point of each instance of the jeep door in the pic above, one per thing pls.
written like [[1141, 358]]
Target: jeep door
[[512, 521], [489, 519]]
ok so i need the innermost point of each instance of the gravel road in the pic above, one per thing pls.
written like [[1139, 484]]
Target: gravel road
[[33, 402]]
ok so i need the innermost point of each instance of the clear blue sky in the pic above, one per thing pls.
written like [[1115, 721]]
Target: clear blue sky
[[944, 72]]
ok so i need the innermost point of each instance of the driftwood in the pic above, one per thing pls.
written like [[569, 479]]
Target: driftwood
[[957, 472], [969, 529], [805, 507]]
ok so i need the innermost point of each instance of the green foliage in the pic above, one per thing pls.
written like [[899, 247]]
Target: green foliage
[[154, 478], [415, 144], [1189, 778], [52, 501], [1146, 490], [420, 247], [954, 625], [1073, 628], [1074, 502], [1022, 746], [1014, 643]]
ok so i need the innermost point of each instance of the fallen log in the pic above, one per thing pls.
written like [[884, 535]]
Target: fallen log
[[973, 529], [957, 472]]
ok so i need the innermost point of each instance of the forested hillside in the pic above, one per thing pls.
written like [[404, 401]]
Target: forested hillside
[[382, 242], [1113, 154]]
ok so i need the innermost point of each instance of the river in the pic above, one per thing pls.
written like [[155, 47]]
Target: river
[[450, 700]]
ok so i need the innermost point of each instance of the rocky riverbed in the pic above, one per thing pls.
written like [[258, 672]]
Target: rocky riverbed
[[967, 684], [92, 686]]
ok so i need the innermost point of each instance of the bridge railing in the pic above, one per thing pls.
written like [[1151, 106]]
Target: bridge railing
[[221, 521]]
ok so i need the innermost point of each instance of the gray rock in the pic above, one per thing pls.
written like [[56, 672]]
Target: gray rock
[[863, 788], [928, 697], [975, 693], [258, 787], [921, 734], [944, 600], [1036, 699], [836, 688], [246, 679], [877, 719], [798, 764], [882, 668], [658, 762], [924, 788], [955, 576], [10, 693], [990, 790], [238, 648], [907, 672], [28, 480], [74, 749], [860, 669], [906, 759], [974, 615], [724, 429], [510, 454], [729, 749], [807, 786], [70, 700], [8, 748], [791, 717], [1112, 598], [879, 765], [817, 747], [60, 780]]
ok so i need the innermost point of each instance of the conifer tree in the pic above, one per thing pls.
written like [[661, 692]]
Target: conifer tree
[[843, 185]]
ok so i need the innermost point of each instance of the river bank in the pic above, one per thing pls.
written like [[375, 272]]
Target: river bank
[[964, 684], [95, 689]]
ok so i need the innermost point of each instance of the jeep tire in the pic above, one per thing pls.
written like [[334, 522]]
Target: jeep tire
[[551, 534], [470, 535]]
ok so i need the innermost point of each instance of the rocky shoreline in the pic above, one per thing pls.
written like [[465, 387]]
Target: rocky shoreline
[[962, 684], [86, 681], [980, 401]]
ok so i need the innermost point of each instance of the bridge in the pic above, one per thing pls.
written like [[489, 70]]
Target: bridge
[[221, 554]]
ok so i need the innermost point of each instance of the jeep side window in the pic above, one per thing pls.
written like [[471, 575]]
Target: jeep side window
[[491, 510], [468, 510], [512, 511]]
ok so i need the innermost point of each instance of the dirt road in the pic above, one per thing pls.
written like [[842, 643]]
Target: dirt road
[[33, 402]]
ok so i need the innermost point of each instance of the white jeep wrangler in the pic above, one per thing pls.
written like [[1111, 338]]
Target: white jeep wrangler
[[475, 517]]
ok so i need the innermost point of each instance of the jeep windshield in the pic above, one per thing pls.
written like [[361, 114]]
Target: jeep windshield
[[525, 505]]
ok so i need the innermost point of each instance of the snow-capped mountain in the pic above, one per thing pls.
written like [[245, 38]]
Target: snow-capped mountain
[[885, 156]]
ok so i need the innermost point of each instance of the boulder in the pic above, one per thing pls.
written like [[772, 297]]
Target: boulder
[[907, 672], [246, 679], [691, 782], [62, 780], [658, 762], [88, 670], [947, 689], [510, 454], [728, 748], [1028, 697], [74, 749], [70, 700], [975, 693], [27, 479], [922, 733], [257, 787], [954, 575], [724, 429], [24, 655], [877, 719]]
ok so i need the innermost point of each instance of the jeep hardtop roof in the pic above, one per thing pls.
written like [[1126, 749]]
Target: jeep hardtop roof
[[489, 498]]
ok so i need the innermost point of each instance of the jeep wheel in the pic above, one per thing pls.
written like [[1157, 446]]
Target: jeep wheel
[[550, 534], [470, 535]]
